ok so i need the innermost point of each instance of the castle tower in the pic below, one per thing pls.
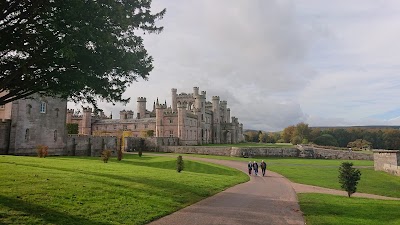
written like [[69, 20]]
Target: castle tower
[[86, 127], [174, 104], [216, 120], [141, 108], [224, 111], [181, 120], [228, 115], [195, 91], [159, 120], [70, 113], [123, 115]]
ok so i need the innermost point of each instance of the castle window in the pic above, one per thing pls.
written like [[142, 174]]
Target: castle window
[[42, 107], [27, 135], [55, 135], [171, 133], [171, 121], [57, 110], [28, 109]]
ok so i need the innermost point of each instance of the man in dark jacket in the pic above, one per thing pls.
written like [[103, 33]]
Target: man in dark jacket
[[250, 167], [263, 167]]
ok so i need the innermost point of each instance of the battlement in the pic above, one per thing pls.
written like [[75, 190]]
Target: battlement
[[223, 102], [70, 111], [174, 90], [141, 99], [86, 109], [161, 106], [184, 94], [228, 109], [203, 92], [170, 113], [215, 98]]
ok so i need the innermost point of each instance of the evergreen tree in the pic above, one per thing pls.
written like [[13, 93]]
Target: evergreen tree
[[349, 177]]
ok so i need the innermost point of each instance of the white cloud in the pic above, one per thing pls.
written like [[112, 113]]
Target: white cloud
[[279, 62]]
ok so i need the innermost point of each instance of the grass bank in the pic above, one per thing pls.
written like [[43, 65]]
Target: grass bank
[[324, 173], [253, 144], [84, 190], [320, 209]]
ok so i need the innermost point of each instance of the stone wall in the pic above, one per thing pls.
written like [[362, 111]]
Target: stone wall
[[266, 152], [5, 126], [86, 145], [387, 160]]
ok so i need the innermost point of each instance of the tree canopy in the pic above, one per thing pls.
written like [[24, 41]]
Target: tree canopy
[[83, 50]]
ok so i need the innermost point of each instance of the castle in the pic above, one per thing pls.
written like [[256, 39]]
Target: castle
[[191, 118]]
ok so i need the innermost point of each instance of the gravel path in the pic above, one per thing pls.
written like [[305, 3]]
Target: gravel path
[[263, 200]]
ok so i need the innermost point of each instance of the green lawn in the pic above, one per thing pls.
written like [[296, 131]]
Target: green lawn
[[253, 144], [324, 173], [84, 190], [320, 209]]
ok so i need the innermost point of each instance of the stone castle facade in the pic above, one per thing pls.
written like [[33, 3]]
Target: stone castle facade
[[190, 118]]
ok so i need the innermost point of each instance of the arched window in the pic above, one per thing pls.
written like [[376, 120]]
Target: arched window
[[28, 109], [55, 135], [27, 135], [43, 106]]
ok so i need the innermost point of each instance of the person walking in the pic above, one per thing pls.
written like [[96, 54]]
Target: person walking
[[255, 167], [263, 167], [250, 167]]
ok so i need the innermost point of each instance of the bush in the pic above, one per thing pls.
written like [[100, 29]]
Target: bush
[[179, 164], [105, 155], [72, 128], [120, 155], [349, 177], [42, 151], [140, 153]]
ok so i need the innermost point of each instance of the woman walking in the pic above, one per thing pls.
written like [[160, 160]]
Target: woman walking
[[255, 167], [250, 167]]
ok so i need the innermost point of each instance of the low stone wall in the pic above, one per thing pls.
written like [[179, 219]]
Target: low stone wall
[[87, 145], [267, 152], [393, 169]]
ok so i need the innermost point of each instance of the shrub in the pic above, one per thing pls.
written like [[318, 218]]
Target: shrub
[[140, 153], [120, 154], [72, 128], [105, 155], [179, 164], [42, 151], [349, 177]]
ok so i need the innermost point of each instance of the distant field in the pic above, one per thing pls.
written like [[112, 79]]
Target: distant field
[[253, 144], [84, 190]]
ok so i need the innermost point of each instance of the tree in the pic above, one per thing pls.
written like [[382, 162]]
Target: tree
[[82, 50], [302, 131], [349, 177], [326, 140], [262, 137], [179, 164], [360, 144], [287, 133], [72, 128]]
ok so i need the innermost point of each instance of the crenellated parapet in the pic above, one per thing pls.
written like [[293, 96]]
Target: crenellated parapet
[[86, 109], [141, 99]]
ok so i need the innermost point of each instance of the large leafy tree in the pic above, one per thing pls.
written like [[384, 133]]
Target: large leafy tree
[[83, 50]]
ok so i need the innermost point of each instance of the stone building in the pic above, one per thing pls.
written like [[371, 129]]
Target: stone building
[[27, 123], [190, 118], [388, 161]]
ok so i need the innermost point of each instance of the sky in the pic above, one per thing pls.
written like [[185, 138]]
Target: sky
[[279, 63]]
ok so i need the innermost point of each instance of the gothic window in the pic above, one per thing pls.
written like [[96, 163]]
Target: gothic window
[[57, 110], [27, 135], [28, 109], [55, 135], [43, 106]]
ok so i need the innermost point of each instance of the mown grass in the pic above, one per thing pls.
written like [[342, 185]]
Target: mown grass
[[321, 209], [74, 190], [253, 144], [324, 173]]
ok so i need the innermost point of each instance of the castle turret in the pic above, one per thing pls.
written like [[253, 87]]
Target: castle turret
[[224, 111], [173, 95], [181, 120], [216, 120], [228, 115], [70, 113], [141, 107], [86, 121], [195, 91], [159, 119]]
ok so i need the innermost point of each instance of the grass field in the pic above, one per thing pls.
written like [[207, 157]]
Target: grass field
[[320, 209], [253, 144], [324, 173], [84, 190]]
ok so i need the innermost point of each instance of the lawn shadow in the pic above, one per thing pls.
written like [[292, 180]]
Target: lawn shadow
[[46, 214]]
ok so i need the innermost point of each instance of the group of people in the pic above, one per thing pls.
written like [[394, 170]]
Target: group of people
[[254, 166]]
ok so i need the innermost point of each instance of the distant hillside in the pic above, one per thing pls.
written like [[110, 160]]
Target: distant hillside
[[364, 127]]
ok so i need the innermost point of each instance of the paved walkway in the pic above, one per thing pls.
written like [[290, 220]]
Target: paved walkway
[[263, 200]]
